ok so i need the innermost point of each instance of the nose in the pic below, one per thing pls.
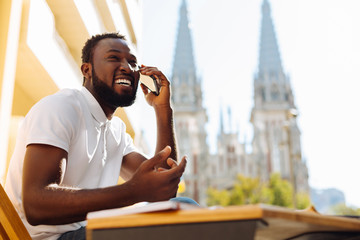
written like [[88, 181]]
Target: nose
[[125, 66]]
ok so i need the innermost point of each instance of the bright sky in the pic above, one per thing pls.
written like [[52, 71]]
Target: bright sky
[[319, 45]]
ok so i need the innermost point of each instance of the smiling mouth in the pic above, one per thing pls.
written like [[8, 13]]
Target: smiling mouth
[[124, 82]]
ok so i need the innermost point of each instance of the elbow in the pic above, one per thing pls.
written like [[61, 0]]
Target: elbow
[[32, 221], [32, 215], [33, 212]]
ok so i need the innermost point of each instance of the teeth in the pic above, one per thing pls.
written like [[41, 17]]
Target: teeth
[[123, 81]]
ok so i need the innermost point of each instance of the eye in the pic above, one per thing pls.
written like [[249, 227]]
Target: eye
[[113, 58], [134, 65]]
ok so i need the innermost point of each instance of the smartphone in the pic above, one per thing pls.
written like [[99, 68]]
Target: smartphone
[[150, 82]]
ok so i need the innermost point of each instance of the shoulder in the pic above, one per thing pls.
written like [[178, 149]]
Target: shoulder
[[65, 101], [62, 97], [55, 119], [63, 108]]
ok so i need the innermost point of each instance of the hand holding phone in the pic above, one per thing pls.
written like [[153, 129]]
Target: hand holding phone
[[150, 82]]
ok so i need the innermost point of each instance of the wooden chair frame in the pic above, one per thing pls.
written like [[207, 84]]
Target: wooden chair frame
[[11, 226]]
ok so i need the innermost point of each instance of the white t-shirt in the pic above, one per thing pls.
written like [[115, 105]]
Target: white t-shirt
[[74, 121]]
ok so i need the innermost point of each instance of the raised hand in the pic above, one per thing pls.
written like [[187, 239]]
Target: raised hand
[[152, 184], [164, 96]]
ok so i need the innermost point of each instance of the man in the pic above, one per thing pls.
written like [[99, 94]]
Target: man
[[71, 149]]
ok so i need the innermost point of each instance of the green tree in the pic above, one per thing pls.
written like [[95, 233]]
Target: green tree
[[218, 197], [237, 196], [282, 191], [247, 190], [302, 200], [343, 209]]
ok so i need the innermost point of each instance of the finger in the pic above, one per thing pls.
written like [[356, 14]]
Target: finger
[[161, 169], [149, 71], [144, 89], [158, 158], [172, 163], [177, 171], [182, 164], [153, 71], [144, 68], [161, 80]]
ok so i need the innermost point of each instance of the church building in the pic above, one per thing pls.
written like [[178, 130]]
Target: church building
[[276, 146], [189, 114]]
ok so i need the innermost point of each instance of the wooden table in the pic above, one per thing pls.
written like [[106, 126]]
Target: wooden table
[[260, 222]]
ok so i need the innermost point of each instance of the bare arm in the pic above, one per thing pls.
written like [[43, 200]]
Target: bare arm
[[45, 202], [163, 112], [130, 164]]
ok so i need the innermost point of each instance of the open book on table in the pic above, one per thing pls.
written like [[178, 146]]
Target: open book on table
[[143, 207]]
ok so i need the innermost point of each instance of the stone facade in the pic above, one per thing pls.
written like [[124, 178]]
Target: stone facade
[[276, 145], [189, 114]]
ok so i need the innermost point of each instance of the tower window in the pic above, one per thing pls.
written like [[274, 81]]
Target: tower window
[[275, 95]]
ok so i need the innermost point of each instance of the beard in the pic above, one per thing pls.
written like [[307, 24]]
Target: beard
[[109, 96]]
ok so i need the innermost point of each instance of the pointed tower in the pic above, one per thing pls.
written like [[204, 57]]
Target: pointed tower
[[189, 114], [276, 142], [230, 159]]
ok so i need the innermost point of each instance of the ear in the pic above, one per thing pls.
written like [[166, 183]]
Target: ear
[[86, 69]]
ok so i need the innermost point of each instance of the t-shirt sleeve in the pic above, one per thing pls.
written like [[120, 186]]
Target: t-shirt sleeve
[[129, 145], [52, 121], [119, 131]]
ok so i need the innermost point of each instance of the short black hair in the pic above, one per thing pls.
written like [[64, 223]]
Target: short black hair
[[88, 49]]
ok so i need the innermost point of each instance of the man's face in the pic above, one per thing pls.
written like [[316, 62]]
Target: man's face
[[114, 77]]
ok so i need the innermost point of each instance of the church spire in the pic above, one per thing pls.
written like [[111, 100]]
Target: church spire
[[273, 125], [221, 121], [185, 85], [184, 59], [269, 60], [271, 85], [189, 114]]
